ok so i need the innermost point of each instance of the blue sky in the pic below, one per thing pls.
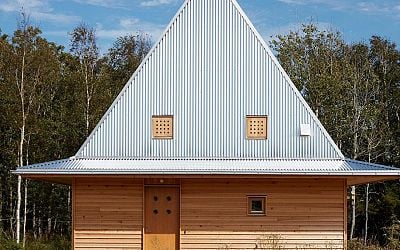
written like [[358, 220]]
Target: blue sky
[[356, 19]]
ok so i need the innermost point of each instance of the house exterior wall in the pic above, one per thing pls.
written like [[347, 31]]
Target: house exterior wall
[[301, 213], [108, 213]]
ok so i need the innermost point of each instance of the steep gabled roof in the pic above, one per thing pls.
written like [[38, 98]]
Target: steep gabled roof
[[210, 69]]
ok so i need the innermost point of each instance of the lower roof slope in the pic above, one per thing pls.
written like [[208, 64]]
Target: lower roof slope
[[118, 166]]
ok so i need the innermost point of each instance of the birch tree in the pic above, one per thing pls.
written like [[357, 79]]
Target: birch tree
[[373, 137], [23, 40], [315, 61], [33, 66], [25, 195], [385, 58], [364, 96], [125, 56], [84, 47]]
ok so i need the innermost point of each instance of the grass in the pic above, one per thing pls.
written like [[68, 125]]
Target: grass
[[55, 243], [266, 242]]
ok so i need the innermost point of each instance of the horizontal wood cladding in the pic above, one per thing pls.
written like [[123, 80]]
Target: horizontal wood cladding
[[108, 213], [300, 214]]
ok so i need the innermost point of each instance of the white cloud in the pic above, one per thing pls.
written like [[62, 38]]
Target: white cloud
[[129, 23], [334, 4], [55, 17], [296, 2], [38, 10], [58, 33], [117, 4], [306, 2], [129, 26], [372, 7], [378, 8], [391, 10], [126, 4], [8, 6], [152, 3]]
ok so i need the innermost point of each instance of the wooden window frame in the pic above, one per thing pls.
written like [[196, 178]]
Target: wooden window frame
[[263, 199], [154, 136], [248, 117]]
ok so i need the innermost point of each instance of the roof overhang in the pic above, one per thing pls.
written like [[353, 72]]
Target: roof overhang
[[350, 180], [355, 172]]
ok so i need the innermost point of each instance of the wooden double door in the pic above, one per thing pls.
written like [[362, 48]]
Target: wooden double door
[[162, 218]]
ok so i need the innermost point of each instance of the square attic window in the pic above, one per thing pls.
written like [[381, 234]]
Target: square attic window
[[162, 126], [256, 205], [257, 127]]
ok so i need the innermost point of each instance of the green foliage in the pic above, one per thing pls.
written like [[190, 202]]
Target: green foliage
[[55, 90], [54, 243], [6, 243], [358, 245], [355, 91], [353, 88]]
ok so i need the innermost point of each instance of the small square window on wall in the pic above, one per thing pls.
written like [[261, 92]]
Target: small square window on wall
[[256, 204], [162, 127], [256, 127]]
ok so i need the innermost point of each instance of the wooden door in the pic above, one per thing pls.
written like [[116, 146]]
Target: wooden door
[[161, 222]]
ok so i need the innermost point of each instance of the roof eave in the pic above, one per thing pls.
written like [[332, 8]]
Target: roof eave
[[124, 172]]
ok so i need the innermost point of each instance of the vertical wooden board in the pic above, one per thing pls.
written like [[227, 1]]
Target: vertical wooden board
[[108, 213], [161, 218], [345, 213], [73, 213], [300, 213]]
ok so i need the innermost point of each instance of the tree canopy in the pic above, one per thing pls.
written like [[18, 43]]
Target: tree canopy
[[353, 88]]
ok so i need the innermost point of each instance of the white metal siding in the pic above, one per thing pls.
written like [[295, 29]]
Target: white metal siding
[[209, 70]]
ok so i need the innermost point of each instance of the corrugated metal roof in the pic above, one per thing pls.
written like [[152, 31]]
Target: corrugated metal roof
[[115, 166], [210, 69]]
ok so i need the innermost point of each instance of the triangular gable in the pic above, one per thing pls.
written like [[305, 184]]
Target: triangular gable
[[209, 70]]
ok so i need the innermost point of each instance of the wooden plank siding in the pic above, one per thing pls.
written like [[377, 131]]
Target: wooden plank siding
[[108, 213], [301, 214]]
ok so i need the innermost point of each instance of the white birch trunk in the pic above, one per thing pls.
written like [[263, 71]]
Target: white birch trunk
[[353, 205], [366, 213], [34, 221], [87, 104], [18, 211], [12, 212], [1, 212], [25, 212], [40, 230], [367, 201], [21, 87], [49, 223]]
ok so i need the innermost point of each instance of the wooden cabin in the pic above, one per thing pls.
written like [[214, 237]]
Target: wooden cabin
[[209, 146]]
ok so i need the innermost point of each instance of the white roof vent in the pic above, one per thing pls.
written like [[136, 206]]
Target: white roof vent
[[305, 130]]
